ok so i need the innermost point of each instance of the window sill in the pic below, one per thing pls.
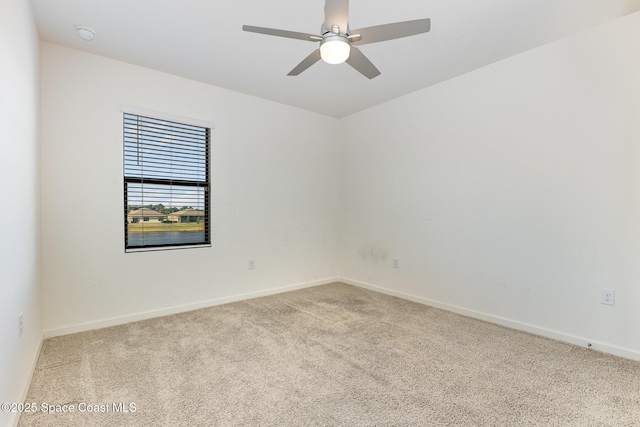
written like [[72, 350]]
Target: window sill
[[166, 248]]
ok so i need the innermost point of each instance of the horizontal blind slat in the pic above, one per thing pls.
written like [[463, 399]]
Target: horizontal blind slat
[[147, 121]]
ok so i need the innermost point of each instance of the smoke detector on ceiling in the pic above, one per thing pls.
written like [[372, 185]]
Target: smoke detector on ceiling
[[86, 33]]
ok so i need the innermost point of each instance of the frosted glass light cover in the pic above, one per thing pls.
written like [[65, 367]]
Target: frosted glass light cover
[[335, 51]]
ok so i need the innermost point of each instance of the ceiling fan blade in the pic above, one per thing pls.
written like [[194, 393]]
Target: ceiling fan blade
[[362, 64], [336, 12], [306, 63], [380, 33], [281, 33]]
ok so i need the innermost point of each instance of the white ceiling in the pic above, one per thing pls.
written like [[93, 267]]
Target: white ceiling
[[203, 40]]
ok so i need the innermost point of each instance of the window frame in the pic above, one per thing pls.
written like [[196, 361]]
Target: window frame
[[205, 185]]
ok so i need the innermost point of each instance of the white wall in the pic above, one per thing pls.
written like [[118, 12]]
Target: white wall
[[511, 191], [274, 195], [20, 229]]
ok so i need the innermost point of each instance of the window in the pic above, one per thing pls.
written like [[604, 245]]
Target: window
[[166, 183]]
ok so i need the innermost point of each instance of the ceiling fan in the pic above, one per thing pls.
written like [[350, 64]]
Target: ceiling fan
[[338, 43]]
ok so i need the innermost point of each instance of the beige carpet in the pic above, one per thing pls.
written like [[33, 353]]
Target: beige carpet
[[324, 356]]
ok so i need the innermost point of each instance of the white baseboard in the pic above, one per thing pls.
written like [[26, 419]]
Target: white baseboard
[[514, 324], [15, 416], [120, 320]]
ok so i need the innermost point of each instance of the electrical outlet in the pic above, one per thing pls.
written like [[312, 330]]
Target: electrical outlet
[[396, 263], [20, 324], [252, 264], [607, 296]]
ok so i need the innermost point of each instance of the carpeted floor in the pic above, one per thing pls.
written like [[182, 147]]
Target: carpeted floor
[[332, 355]]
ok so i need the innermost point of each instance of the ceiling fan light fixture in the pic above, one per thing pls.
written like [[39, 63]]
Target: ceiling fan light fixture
[[335, 49]]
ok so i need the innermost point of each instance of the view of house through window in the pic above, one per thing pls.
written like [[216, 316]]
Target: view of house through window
[[166, 183]]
